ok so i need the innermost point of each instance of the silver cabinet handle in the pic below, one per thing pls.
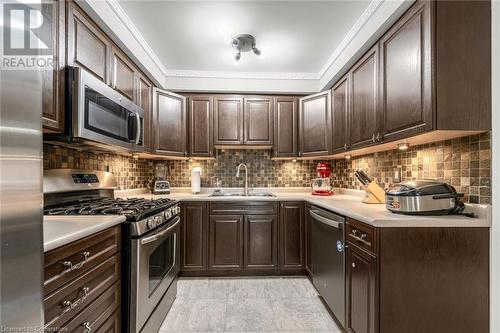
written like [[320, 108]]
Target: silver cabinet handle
[[353, 265], [157, 236], [86, 326], [362, 238], [345, 146], [378, 137], [73, 304], [324, 220], [373, 137], [69, 264]]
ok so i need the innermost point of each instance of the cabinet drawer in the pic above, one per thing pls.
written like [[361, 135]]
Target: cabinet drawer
[[67, 262], [236, 207], [102, 315], [361, 234], [66, 302]]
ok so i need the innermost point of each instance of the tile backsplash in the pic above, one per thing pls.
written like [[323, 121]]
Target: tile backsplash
[[463, 162], [130, 173], [262, 171]]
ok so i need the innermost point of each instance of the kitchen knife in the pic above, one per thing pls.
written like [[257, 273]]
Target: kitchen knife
[[365, 176]]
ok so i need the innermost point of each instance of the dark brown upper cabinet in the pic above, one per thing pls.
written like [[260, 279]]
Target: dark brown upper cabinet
[[169, 123], [200, 129], [285, 127], [261, 242], [228, 120], [144, 100], [225, 242], [258, 121], [364, 127], [292, 238], [88, 47], [340, 116], [315, 125], [122, 74], [53, 80], [194, 231], [405, 75]]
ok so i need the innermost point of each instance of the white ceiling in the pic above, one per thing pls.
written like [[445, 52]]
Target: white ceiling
[[296, 37]]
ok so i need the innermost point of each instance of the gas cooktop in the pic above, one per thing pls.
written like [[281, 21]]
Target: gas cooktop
[[134, 209]]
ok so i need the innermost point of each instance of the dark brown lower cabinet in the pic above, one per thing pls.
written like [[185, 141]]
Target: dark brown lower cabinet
[[261, 242], [225, 242], [307, 242], [292, 254], [83, 284], [361, 302], [194, 236], [414, 280]]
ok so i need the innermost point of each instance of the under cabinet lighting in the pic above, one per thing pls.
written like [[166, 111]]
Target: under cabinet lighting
[[403, 146], [190, 160], [294, 160], [348, 157], [135, 156]]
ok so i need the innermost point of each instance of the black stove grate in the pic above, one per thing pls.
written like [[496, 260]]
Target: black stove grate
[[134, 208]]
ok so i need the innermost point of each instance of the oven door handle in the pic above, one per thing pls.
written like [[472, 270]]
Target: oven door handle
[[160, 234]]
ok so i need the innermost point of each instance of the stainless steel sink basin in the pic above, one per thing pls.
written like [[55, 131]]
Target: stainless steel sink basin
[[233, 194]]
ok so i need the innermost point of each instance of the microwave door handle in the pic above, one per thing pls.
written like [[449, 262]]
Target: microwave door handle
[[138, 128]]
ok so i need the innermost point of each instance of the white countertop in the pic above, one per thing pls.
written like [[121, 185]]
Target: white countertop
[[62, 230], [344, 202]]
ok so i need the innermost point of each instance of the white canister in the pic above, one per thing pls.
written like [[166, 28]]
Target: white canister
[[196, 180]]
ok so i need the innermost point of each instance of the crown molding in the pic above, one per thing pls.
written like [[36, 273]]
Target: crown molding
[[351, 34], [242, 75], [127, 22]]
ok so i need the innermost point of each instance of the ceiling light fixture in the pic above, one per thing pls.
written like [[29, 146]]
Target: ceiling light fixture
[[244, 43]]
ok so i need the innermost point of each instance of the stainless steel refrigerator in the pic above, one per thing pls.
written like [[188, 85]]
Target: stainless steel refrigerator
[[21, 215]]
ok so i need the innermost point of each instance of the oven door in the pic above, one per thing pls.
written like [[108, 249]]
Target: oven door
[[154, 265], [103, 115]]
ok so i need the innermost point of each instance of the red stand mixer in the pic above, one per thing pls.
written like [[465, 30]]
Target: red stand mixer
[[323, 185]]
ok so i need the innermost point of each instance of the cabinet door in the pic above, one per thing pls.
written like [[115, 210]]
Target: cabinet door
[[340, 116], [194, 231], [261, 237], [169, 123], [200, 130], [123, 74], [364, 90], [285, 127], [315, 125], [226, 242], [307, 242], [144, 90], [258, 121], [228, 121], [361, 270], [405, 80], [53, 80], [88, 46], [292, 235]]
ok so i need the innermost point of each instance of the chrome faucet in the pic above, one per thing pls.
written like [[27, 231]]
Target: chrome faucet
[[246, 177]]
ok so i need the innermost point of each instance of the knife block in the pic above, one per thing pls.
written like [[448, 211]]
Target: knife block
[[374, 194]]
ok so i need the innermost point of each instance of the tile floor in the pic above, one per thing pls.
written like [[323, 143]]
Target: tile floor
[[281, 304]]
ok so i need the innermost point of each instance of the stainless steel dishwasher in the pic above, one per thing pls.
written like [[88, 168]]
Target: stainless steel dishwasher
[[328, 258]]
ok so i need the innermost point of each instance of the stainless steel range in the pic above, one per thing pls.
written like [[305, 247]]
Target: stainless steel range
[[150, 239]]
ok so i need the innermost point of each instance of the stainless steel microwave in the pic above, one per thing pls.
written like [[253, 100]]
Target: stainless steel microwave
[[98, 115]]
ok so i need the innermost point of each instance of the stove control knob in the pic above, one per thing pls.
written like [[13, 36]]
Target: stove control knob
[[150, 223], [158, 220], [168, 213], [176, 209]]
